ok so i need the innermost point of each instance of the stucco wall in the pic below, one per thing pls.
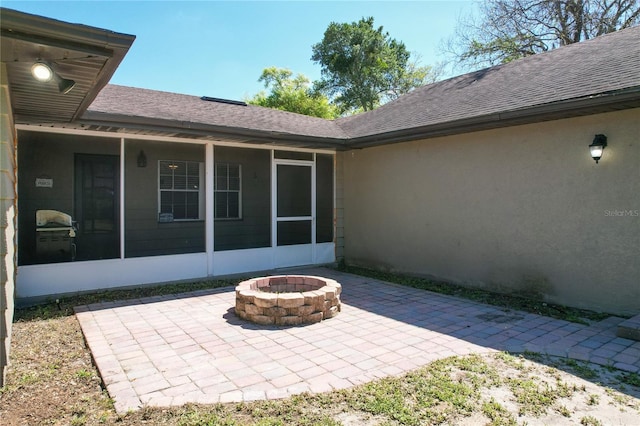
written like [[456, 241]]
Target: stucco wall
[[339, 205], [522, 209], [7, 222]]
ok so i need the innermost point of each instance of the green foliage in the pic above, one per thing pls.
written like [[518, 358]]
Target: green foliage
[[362, 66], [504, 49], [293, 94]]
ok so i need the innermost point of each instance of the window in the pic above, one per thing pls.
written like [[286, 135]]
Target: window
[[228, 200], [181, 190]]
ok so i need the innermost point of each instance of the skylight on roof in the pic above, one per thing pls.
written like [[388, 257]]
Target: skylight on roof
[[223, 101]]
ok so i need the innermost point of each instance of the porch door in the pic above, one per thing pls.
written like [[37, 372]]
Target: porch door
[[96, 206], [294, 216]]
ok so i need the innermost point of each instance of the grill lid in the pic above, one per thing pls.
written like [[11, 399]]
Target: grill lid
[[49, 218]]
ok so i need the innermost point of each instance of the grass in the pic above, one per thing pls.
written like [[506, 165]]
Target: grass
[[590, 421], [580, 368], [632, 379], [593, 399], [509, 301], [63, 306], [497, 414]]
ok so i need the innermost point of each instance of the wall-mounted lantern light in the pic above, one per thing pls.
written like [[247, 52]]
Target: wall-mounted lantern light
[[142, 159], [597, 146]]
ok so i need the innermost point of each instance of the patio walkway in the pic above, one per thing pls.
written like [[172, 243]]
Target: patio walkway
[[170, 350]]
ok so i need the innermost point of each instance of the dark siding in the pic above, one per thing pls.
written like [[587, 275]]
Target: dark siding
[[254, 229], [144, 235], [50, 156], [324, 198]]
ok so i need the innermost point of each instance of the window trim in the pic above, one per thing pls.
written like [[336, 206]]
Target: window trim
[[200, 191]]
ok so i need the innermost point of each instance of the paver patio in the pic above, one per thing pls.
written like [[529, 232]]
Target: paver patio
[[174, 349]]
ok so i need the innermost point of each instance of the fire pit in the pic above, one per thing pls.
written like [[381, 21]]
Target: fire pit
[[288, 300]]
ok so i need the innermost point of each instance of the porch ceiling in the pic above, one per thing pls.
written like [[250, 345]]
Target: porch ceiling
[[87, 55]]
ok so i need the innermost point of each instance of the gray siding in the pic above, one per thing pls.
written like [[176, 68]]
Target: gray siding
[[254, 229], [144, 235], [324, 198], [42, 155]]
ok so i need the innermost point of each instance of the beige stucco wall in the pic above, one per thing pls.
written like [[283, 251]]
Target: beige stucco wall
[[7, 222], [522, 209], [339, 206]]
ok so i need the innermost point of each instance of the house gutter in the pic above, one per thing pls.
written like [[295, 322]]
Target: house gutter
[[198, 130], [52, 32], [606, 102]]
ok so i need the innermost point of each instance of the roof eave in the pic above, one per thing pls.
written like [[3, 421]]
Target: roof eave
[[600, 103], [127, 122], [42, 31]]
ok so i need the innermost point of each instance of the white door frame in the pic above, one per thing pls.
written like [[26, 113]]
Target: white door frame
[[294, 255]]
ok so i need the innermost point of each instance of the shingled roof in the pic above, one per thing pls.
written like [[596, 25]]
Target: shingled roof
[[594, 76], [127, 106]]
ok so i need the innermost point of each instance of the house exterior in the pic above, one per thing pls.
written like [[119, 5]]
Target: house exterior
[[484, 179]]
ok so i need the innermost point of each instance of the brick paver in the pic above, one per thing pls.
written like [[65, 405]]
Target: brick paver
[[170, 350]]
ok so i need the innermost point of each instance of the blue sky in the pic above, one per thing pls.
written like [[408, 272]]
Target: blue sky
[[219, 48]]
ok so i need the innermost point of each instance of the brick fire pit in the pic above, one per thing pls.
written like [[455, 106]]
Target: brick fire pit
[[288, 300]]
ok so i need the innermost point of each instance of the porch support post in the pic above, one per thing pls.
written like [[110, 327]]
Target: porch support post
[[274, 209], [313, 209], [122, 198], [209, 212]]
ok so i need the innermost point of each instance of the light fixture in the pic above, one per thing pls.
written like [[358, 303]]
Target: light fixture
[[142, 159], [42, 71], [64, 84], [597, 146]]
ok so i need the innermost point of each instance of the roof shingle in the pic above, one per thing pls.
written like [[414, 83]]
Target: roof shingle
[[601, 65], [605, 65], [152, 104]]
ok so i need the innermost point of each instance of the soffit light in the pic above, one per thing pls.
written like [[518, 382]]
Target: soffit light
[[597, 146], [43, 72]]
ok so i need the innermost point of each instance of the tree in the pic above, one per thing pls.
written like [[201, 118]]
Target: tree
[[363, 67], [510, 29], [293, 94]]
